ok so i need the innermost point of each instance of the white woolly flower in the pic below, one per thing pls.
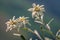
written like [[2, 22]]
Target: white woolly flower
[[23, 21], [36, 10], [11, 24]]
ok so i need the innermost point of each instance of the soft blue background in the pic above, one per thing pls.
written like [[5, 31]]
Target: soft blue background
[[10, 8]]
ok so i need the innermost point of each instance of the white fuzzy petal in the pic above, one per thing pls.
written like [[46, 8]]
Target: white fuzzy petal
[[35, 31], [33, 14], [38, 22], [37, 5], [26, 17], [14, 26], [42, 18], [33, 4], [42, 8], [30, 9], [48, 27], [7, 25], [13, 18], [16, 34], [7, 22], [41, 5], [9, 28]]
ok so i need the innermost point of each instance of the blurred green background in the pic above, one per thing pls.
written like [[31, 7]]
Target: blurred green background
[[10, 8]]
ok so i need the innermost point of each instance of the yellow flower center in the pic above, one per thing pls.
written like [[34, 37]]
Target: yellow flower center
[[37, 9], [12, 23], [22, 19]]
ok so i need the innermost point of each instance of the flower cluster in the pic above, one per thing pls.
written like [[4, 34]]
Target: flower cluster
[[38, 15], [17, 23]]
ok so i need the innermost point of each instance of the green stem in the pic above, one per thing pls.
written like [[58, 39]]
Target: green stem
[[41, 28]]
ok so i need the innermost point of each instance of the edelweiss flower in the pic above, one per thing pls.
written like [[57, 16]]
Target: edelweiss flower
[[36, 10], [11, 24], [23, 21]]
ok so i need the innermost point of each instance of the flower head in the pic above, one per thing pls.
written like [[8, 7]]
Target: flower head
[[36, 10], [11, 24], [23, 20]]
